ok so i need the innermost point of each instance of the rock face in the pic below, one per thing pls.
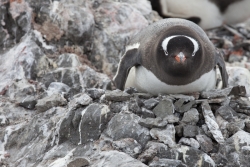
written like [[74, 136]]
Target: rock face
[[58, 106]]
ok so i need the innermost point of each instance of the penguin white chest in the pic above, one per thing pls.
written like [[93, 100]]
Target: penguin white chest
[[145, 81]]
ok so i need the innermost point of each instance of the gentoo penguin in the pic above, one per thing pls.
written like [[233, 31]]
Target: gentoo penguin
[[206, 13], [170, 56]]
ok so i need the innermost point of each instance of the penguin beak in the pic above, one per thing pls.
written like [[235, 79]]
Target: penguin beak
[[180, 58]]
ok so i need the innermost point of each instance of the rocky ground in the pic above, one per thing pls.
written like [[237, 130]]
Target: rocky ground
[[58, 106]]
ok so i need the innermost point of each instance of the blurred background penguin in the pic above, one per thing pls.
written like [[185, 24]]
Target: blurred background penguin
[[206, 13]]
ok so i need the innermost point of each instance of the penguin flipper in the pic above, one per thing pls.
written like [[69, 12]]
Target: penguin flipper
[[130, 59], [222, 66]]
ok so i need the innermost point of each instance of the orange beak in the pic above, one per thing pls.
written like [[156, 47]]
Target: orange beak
[[180, 58]]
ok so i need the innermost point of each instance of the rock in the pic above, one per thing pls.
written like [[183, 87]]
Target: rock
[[190, 131], [239, 76], [134, 105], [235, 147], [191, 117], [189, 142], [145, 113], [128, 146], [58, 87], [78, 162], [116, 107], [235, 126], [164, 108], [215, 93], [179, 130], [205, 142], [153, 122], [95, 93], [128, 129], [166, 163], [226, 112], [117, 95], [68, 60], [114, 159], [3, 120], [172, 119], [211, 123], [131, 90], [93, 122], [194, 157], [150, 103], [50, 101], [181, 107], [81, 99], [165, 135], [153, 149]]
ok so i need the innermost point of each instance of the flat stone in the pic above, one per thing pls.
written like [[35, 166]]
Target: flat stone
[[50, 101], [205, 142], [78, 162], [95, 93], [116, 158], [164, 108], [129, 128], [81, 99], [179, 130], [145, 113], [181, 107], [190, 142], [94, 120], [165, 135], [130, 90], [172, 119], [190, 131], [153, 122], [191, 117], [211, 123], [116, 107], [153, 149], [235, 126], [150, 103], [68, 60], [163, 162], [215, 93], [58, 87], [128, 146], [226, 112], [117, 95], [181, 96]]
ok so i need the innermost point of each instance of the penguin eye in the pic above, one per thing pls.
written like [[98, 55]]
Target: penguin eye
[[166, 52]]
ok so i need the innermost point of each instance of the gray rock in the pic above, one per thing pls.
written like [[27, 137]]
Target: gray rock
[[181, 96], [234, 127], [145, 113], [165, 135], [191, 116], [50, 101], [164, 108], [80, 99], [4, 121], [211, 123], [93, 122], [150, 103], [117, 95], [68, 60], [153, 149], [181, 107], [190, 131], [116, 107], [205, 142], [215, 93], [128, 146], [179, 130], [114, 159], [226, 112], [167, 163], [235, 150], [194, 157], [189, 142], [134, 105], [58, 87], [172, 119], [95, 93], [153, 122], [78, 162], [128, 129]]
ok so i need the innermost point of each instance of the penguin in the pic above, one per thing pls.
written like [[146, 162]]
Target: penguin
[[170, 56], [206, 13]]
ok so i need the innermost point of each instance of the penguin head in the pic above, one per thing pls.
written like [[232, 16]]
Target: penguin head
[[178, 54]]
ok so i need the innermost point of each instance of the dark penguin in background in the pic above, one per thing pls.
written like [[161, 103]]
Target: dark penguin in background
[[170, 56], [206, 13]]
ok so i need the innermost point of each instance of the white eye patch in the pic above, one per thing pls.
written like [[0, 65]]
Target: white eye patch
[[165, 43]]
